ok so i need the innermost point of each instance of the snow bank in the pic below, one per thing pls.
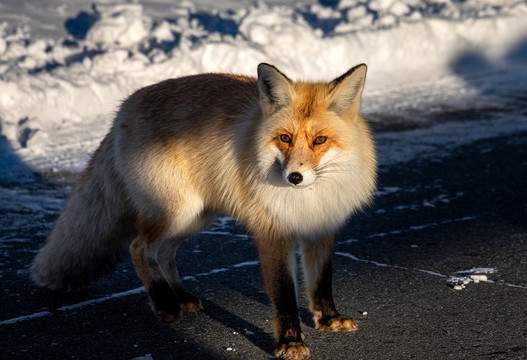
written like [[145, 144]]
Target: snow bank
[[57, 96]]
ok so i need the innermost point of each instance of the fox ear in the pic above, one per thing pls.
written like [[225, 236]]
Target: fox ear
[[274, 88], [346, 90]]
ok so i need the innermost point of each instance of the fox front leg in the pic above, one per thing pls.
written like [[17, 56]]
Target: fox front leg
[[275, 256], [317, 264]]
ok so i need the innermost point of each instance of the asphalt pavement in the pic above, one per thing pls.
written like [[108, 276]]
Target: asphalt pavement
[[436, 223]]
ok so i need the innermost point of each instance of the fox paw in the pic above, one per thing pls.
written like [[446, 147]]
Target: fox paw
[[168, 303], [171, 312], [190, 303], [337, 323], [294, 350], [168, 318]]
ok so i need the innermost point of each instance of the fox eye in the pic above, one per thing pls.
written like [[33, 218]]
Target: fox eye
[[285, 138], [320, 140]]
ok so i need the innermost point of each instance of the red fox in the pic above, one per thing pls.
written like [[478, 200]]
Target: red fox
[[290, 160]]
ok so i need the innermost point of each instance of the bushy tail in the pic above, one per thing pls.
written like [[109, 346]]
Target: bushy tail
[[93, 231]]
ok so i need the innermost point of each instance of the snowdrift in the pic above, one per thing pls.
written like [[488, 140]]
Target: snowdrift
[[57, 96]]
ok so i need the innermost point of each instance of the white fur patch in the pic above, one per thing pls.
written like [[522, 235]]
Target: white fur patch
[[320, 208]]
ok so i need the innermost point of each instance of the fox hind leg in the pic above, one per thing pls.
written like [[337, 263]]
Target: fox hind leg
[[153, 253], [168, 282], [317, 265]]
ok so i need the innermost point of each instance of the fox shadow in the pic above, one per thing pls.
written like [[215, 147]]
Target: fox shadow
[[484, 74]]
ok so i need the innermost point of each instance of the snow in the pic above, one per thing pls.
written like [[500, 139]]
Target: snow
[[146, 357], [461, 279], [25, 317], [383, 265], [246, 263], [102, 299], [59, 89]]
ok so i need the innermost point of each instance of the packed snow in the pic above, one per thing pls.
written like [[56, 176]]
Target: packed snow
[[461, 279], [60, 89]]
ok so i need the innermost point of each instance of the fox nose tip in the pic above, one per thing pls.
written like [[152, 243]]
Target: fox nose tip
[[295, 178]]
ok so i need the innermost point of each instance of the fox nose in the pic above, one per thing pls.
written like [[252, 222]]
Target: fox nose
[[295, 178]]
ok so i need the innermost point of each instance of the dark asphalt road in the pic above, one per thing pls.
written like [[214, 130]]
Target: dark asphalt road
[[431, 219]]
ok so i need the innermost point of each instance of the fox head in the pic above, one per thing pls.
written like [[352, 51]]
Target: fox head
[[309, 130]]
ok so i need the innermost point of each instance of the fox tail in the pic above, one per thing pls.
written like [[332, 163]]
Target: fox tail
[[93, 231]]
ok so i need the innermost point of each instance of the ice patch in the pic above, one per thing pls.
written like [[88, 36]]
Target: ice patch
[[465, 277], [25, 317], [478, 270], [387, 190], [102, 299], [213, 271], [457, 282], [223, 233], [379, 264], [146, 357], [246, 263], [422, 227]]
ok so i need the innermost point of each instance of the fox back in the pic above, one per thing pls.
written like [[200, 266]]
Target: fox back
[[296, 154]]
